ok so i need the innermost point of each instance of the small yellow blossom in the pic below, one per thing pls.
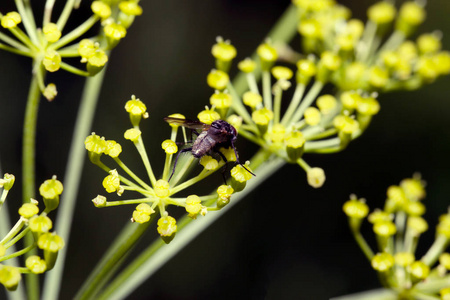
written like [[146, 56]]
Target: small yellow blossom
[[50, 92], [247, 65], [209, 163], [51, 188], [262, 116], [132, 134], [111, 183], [52, 61], [208, 116], [169, 147], [162, 189], [404, 259], [131, 8], [356, 208], [11, 20], [113, 148], [223, 50], [115, 31], [27, 210], [312, 116], [218, 79], [326, 103], [40, 224], [167, 226], [220, 100], [282, 73], [252, 99], [51, 32], [35, 264], [316, 177], [95, 144], [383, 262], [268, 55], [142, 213], [193, 205], [101, 9]]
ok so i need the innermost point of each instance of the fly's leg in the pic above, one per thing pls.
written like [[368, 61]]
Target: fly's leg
[[224, 169], [176, 160], [237, 160]]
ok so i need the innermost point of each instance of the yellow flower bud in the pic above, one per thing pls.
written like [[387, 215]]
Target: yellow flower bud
[[11, 20], [27, 210], [316, 177], [209, 163], [312, 116], [52, 61], [132, 134], [162, 189], [247, 65], [217, 79], [382, 262], [169, 147], [51, 32]]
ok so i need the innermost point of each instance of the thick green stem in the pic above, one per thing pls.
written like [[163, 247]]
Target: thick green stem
[[110, 261], [72, 177], [28, 167]]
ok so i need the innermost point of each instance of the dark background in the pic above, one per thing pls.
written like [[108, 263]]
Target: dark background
[[286, 240]]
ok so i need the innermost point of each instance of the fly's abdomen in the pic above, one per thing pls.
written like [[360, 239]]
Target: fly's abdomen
[[202, 145]]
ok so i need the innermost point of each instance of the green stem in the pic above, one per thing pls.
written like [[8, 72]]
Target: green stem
[[134, 176], [17, 253], [298, 94], [151, 259], [309, 98], [65, 14], [15, 230], [15, 51], [379, 294], [28, 167], [435, 250], [76, 33], [118, 250], [143, 153], [362, 244], [72, 69], [29, 140], [9, 40], [126, 202], [52, 283], [28, 19], [267, 89]]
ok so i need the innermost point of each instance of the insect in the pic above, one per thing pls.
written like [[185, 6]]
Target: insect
[[212, 137]]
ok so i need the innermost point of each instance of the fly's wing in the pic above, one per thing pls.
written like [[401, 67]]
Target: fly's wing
[[191, 124]]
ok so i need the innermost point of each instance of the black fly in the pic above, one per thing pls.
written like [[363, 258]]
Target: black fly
[[220, 134]]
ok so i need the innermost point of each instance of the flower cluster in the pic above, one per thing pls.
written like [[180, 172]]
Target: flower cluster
[[47, 46], [366, 62], [34, 223], [160, 192], [398, 228], [338, 50]]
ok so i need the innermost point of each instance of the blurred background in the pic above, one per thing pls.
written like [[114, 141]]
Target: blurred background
[[286, 240]]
